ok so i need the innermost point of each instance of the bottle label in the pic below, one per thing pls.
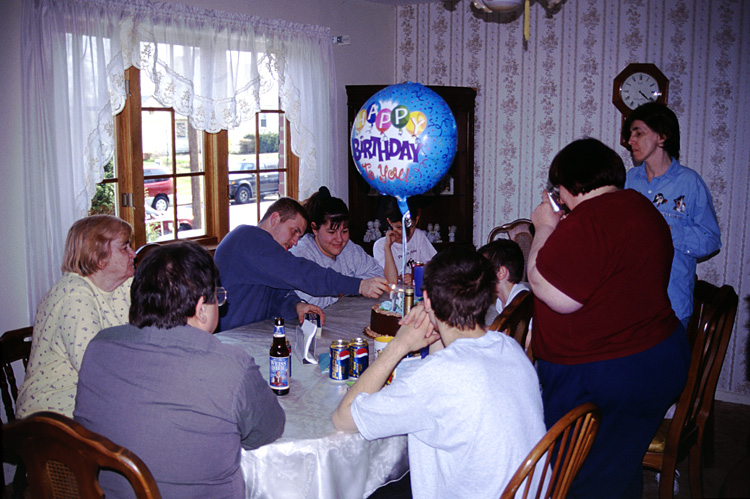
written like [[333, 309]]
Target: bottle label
[[279, 372]]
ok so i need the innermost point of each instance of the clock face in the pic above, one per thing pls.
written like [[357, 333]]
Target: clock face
[[639, 88]]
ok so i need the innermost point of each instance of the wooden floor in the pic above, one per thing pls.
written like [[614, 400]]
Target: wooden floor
[[731, 450], [732, 453]]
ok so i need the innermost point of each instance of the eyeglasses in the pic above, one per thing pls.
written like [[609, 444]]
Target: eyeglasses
[[221, 296]]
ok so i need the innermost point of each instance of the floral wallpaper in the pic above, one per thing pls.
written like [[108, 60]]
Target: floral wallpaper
[[535, 97]]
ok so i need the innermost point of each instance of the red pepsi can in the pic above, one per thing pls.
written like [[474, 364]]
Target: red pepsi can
[[359, 357]]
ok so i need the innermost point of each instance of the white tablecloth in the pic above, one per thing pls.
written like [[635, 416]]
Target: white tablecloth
[[312, 459]]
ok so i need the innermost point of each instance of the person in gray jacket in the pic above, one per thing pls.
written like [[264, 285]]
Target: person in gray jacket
[[165, 388]]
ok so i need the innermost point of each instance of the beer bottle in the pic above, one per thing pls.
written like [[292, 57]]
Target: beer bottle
[[408, 299], [280, 360], [289, 347]]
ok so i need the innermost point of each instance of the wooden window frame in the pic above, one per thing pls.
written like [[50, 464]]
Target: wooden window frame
[[129, 171]]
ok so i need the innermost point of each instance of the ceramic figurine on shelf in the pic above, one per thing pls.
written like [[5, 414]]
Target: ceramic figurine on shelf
[[452, 234], [438, 239], [368, 234], [430, 233], [376, 234]]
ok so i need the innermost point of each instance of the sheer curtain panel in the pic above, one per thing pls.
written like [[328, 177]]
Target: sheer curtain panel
[[210, 66]]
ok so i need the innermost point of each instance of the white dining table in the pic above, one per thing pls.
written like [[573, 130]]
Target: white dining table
[[312, 459]]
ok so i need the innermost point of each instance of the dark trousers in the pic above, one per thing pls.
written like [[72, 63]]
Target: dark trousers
[[633, 394]]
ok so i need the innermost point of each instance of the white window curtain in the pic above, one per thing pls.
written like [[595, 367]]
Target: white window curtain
[[210, 66]]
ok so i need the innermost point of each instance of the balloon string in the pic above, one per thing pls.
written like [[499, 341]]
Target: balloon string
[[404, 229]]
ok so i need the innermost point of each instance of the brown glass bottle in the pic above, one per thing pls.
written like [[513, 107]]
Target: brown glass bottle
[[408, 299], [279, 361]]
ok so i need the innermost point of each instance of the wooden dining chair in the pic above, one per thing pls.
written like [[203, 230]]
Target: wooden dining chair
[[515, 320], [683, 435], [144, 250], [15, 346], [521, 231], [63, 458], [703, 293], [561, 451]]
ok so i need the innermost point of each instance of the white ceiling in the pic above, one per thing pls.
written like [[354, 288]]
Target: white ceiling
[[403, 2]]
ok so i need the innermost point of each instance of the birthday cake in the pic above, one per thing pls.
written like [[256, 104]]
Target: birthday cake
[[382, 322]]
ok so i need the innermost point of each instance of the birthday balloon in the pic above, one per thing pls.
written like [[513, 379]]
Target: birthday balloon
[[403, 140]]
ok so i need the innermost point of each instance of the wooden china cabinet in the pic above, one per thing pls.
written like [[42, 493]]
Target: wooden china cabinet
[[449, 203]]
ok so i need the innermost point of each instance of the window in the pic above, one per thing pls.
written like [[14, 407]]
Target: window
[[258, 166], [171, 181]]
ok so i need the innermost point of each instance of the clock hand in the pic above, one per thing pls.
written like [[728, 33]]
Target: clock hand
[[645, 96]]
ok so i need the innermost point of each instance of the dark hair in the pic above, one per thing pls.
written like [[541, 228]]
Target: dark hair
[[287, 208], [391, 209], [322, 208], [661, 120], [505, 253], [585, 165], [461, 286], [168, 284]]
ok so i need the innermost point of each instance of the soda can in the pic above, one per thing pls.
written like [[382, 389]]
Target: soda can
[[418, 272], [339, 360], [359, 357]]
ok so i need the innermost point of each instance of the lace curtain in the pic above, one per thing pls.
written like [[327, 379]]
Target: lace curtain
[[210, 66]]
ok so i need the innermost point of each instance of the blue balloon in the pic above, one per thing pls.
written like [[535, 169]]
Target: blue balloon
[[411, 155]]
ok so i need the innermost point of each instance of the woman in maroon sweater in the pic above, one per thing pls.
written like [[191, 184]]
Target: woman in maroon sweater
[[604, 330]]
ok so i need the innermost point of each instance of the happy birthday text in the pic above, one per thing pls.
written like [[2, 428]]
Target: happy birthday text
[[385, 150]]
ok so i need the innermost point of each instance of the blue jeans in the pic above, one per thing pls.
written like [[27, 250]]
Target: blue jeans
[[633, 393]]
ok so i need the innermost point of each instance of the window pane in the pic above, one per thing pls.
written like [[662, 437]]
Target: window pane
[[256, 164], [191, 206], [105, 199], [169, 182], [158, 183], [188, 217], [147, 92]]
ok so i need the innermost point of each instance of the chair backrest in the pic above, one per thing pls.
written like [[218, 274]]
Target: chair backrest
[[63, 458], [15, 345], [144, 250], [515, 319], [521, 231], [564, 448], [711, 338], [703, 294]]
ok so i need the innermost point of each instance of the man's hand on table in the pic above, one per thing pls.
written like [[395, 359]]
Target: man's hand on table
[[373, 287], [304, 308]]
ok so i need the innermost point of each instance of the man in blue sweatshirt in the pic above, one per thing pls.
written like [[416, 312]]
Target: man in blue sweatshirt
[[260, 274]]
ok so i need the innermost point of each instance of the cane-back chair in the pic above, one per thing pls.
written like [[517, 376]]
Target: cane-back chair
[[63, 458]]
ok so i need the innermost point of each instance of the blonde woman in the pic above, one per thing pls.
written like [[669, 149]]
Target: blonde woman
[[92, 294]]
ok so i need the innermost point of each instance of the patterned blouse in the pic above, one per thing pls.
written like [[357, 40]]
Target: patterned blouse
[[73, 311]]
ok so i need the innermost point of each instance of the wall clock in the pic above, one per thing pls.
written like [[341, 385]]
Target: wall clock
[[638, 84]]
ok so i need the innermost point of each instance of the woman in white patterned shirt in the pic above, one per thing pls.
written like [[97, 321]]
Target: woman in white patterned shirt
[[92, 294]]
